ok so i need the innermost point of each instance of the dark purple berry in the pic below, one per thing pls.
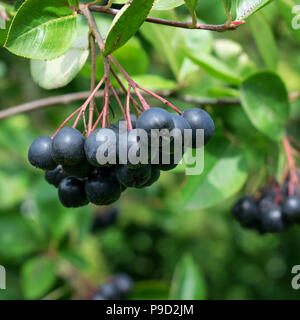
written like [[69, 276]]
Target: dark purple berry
[[68, 147], [39, 154], [71, 193], [55, 176]]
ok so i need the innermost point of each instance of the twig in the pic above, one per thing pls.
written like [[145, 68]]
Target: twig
[[177, 24], [93, 76]]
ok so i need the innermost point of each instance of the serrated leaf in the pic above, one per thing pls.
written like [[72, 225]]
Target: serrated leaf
[[42, 30], [265, 100], [126, 24], [188, 282], [38, 276], [224, 174], [59, 72], [245, 8], [264, 40]]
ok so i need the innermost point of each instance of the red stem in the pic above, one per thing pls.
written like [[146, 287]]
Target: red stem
[[129, 124], [163, 100], [291, 164]]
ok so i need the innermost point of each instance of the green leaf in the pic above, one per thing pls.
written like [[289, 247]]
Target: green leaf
[[214, 67], [38, 276], [265, 100], [227, 5], [264, 40], [245, 8], [167, 4], [74, 3], [288, 9], [155, 82], [224, 174], [61, 71], [42, 29], [16, 238], [165, 40], [188, 282], [191, 4], [126, 24]]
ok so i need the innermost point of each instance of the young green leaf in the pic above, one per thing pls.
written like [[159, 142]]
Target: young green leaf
[[265, 40], [42, 29], [188, 282], [38, 276], [265, 100], [227, 5], [245, 8], [126, 24]]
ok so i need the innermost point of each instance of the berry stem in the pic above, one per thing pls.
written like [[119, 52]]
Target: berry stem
[[84, 106], [129, 124], [163, 100], [291, 164], [118, 101], [93, 76], [69, 118]]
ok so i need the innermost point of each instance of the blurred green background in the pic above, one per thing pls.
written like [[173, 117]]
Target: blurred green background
[[49, 252]]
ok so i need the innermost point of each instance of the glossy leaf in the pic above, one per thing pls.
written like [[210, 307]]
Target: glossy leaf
[[61, 71], [188, 282], [126, 24], [265, 100], [224, 175], [245, 8], [265, 40], [42, 29], [38, 276]]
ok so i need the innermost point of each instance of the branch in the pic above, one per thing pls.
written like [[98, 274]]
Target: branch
[[47, 102], [176, 24]]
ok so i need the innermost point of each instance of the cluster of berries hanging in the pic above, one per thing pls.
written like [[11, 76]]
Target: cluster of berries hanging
[[72, 161], [274, 209]]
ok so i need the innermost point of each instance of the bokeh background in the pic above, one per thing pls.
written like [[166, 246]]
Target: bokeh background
[[50, 252]]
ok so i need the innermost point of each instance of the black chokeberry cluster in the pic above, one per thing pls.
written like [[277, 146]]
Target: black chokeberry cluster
[[118, 287], [273, 210], [73, 165]]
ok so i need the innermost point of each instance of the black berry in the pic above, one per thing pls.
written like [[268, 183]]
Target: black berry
[[39, 154], [55, 176], [71, 193], [133, 177], [199, 119], [68, 147], [291, 209], [102, 189]]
